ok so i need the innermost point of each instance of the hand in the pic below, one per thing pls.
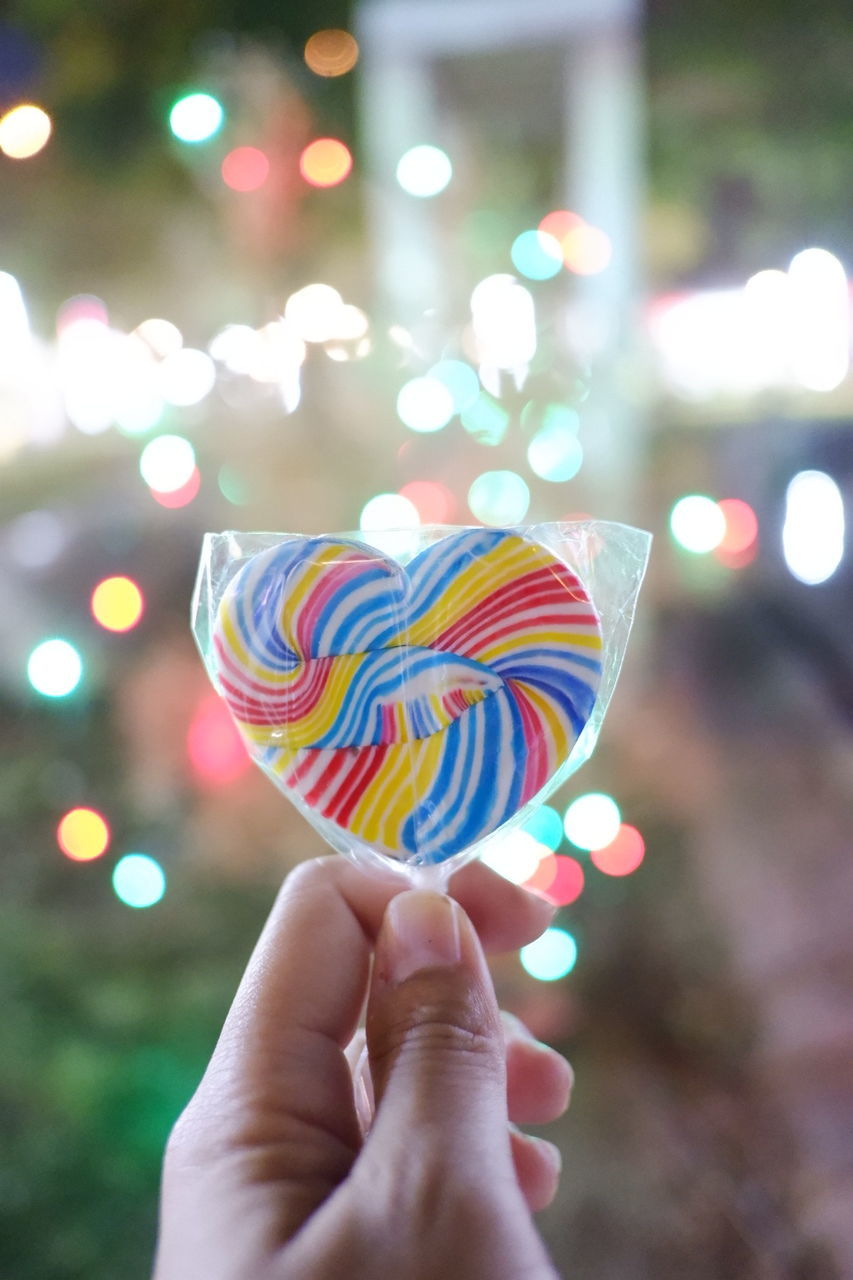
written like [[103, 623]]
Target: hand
[[268, 1175]]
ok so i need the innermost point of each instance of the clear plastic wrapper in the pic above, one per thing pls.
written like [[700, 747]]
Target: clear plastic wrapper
[[417, 693]]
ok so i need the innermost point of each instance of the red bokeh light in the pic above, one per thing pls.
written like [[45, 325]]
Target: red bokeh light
[[216, 751], [567, 885], [560, 222], [245, 169], [179, 497], [623, 855], [543, 877], [434, 501], [741, 526]]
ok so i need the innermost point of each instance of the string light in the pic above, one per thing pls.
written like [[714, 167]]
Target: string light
[[138, 880], [117, 604], [326, 162], [83, 835], [24, 131]]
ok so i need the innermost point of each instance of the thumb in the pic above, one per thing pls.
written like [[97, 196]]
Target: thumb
[[435, 1042]]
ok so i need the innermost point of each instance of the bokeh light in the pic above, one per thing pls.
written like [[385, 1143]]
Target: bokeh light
[[139, 880], [460, 379], [550, 957], [117, 604], [167, 463], [388, 511], [499, 498], [160, 336], [196, 117], [424, 171], [592, 820], [515, 855], [559, 222], [586, 250], [83, 834], [24, 131], [741, 526], [555, 453], [546, 826], [54, 668], [503, 319], [567, 882], [186, 376], [820, 314], [425, 405], [325, 162], [485, 420], [180, 497], [216, 751], [331, 52], [435, 503], [233, 486], [314, 312], [697, 523], [813, 532], [245, 169], [623, 855], [536, 255], [543, 876]]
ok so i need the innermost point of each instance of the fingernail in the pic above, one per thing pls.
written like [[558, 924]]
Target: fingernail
[[549, 1150], [423, 933]]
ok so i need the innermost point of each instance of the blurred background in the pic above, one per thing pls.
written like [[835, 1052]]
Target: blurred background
[[332, 266]]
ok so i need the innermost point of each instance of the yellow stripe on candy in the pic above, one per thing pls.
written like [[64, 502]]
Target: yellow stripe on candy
[[557, 639], [472, 587], [560, 741]]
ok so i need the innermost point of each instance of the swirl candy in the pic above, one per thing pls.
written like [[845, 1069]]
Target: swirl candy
[[417, 708]]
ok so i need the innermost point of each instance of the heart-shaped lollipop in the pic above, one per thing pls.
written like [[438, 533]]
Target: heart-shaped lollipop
[[416, 708]]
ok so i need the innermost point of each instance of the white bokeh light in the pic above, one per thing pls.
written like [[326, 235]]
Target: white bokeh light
[[813, 532], [167, 463], [592, 820]]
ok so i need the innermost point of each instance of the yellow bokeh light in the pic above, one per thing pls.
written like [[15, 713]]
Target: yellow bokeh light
[[24, 131], [117, 604], [83, 835], [586, 250], [331, 52], [325, 162]]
